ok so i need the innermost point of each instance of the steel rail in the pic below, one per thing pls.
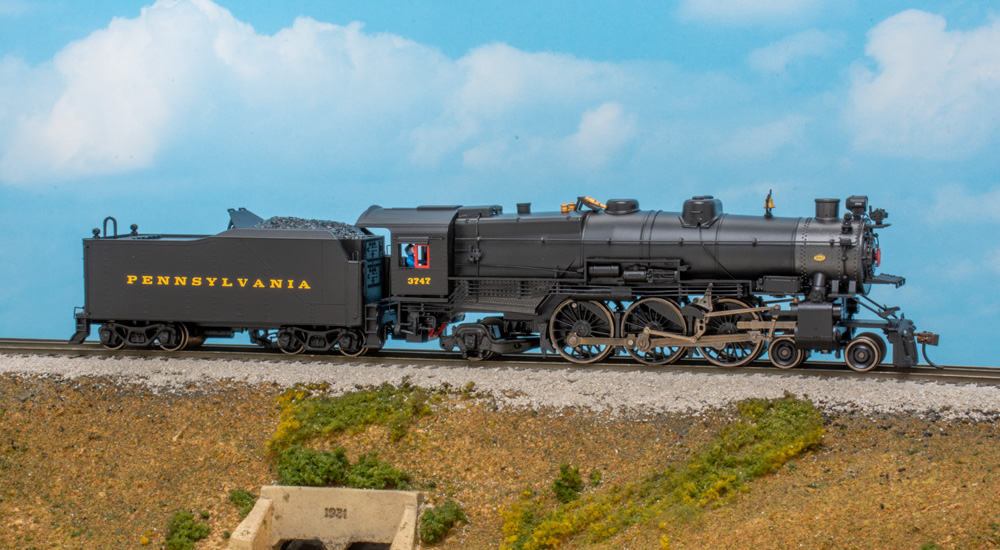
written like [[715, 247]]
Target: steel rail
[[946, 374]]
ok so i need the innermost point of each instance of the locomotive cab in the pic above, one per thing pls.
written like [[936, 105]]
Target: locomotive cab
[[419, 265]]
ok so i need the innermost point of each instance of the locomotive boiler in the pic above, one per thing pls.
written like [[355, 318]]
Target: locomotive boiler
[[586, 281]]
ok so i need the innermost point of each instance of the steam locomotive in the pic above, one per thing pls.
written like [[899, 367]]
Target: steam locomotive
[[585, 282]]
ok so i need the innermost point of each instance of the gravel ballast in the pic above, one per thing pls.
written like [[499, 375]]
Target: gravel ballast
[[596, 389]]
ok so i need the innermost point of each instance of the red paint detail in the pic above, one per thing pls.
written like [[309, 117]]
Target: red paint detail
[[422, 257], [878, 257], [437, 332]]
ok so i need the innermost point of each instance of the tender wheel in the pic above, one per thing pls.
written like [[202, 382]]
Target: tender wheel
[[195, 337], [586, 320], [289, 343], [733, 354], [351, 344], [862, 354], [656, 314], [173, 337], [111, 339], [784, 355]]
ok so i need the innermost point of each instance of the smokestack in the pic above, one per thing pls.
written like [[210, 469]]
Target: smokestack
[[828, 210]]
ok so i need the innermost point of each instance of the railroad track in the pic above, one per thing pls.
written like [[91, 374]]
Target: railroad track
[[945, 374]]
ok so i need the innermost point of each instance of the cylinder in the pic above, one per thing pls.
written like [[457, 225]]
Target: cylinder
[[605, 270]]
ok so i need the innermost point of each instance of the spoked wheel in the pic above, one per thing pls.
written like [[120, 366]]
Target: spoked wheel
[[656, 314], [585, 320], [173, 337], [289, 343], [783, 353], [352, 343], [732, 354], [111, 339], [862, 354]]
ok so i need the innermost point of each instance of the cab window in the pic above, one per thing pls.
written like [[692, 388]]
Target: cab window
[[414, 255]]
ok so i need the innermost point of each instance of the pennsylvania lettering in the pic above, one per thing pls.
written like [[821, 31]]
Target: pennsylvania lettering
[[224, 282]]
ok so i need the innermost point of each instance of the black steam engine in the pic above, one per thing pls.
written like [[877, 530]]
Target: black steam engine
[[588, 281]]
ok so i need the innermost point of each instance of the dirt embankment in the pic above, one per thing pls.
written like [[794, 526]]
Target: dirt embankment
[[91, 464]]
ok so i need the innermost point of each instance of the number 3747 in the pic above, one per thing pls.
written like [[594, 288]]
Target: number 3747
[[418, 280]]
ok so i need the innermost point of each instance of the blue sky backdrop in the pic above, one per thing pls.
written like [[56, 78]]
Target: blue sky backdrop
[[166, 114]]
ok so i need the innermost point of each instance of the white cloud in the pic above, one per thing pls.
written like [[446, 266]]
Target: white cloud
[[501, 99], [186, 75], [766, 139], [187, 69], [934, 93], [776, 57], [956, 202], [741, 12], [499, 77], [119, 91], [602, 133]]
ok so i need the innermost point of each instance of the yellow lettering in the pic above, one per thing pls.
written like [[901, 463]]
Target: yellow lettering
[[168, 280]]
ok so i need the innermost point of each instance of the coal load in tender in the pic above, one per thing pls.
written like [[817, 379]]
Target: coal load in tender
[[339, 229]]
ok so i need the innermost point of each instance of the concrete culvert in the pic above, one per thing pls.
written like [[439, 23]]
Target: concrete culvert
[[315, 518]]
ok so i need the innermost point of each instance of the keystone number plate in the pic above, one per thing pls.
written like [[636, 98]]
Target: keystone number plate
[[335, 513]]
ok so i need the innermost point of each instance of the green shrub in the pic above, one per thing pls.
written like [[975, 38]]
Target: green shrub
[[304, 415], [568, 484], [436, 522], [183, 531], [595, 478], [520, 521], [369, 472], [298, 465], [767, 434], [312, 468], [244, 501]]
